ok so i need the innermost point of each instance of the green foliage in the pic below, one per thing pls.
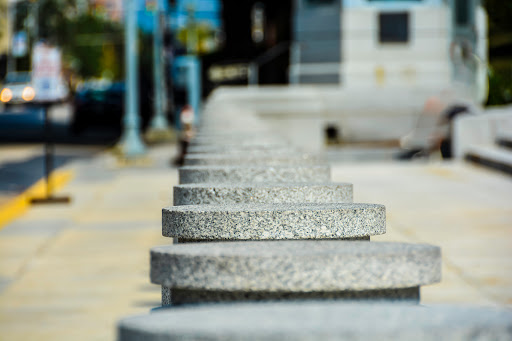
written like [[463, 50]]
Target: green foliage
[[500, 84], [93, 46], [199, 36], [499, 13], [500, 51]]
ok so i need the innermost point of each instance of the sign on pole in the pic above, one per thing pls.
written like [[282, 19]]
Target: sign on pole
[[47, 77]]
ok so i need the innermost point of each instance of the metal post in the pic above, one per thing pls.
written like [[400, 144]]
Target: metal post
[[35, 16], [131, 144], [48, 150], [253, 74], [194, 84], [49, 156], [294, 69], [11, 61], [158, 121]]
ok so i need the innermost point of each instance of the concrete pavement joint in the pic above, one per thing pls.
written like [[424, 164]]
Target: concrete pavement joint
[[39, 251]]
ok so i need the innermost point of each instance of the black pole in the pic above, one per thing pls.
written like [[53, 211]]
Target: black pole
[[49, 153], [48, 149]]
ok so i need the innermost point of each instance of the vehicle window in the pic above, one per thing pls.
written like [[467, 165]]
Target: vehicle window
[[17, 77]]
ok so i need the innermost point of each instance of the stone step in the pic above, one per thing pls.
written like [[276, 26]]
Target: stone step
[[504, 139], [319, 321], [239, 140], [283, 270], [497, 158], [273, 221], [245, 174], [267, 159], [239, 149], [260, 193], [234, 147]]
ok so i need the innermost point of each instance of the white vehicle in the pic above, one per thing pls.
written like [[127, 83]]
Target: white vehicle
[[17, 89], [43, 84]]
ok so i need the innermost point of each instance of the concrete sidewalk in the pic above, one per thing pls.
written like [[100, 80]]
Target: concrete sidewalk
[[465, 209], [70, 272]]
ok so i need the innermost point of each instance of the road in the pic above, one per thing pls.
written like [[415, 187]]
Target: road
[[22, 137], [26, 125]]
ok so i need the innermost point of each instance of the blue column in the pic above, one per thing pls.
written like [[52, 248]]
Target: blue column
[[194, 85], [131, 144], [159, 120]]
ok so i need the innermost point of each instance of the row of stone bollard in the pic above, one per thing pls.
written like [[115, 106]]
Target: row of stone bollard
[[255, 220]]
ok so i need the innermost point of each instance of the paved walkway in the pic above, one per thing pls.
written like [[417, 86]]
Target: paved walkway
[[465, 209], [70, 272]]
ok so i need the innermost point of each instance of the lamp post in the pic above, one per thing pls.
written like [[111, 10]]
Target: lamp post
[[131, 145], [159, 126], [159, 121]]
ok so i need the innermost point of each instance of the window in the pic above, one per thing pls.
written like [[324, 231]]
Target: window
[[320, 2], [394, 27], [461, 12]]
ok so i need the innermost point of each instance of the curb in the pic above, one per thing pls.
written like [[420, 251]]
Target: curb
[[18, 205]]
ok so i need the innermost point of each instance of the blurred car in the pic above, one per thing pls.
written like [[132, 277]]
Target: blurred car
[[100, 104], [17, 89]]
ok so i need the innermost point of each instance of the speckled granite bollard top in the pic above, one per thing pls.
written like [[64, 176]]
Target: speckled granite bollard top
[[319, 321], [235, 148], [267, 159], [281, 269], [259, 193], [273, 221], [245, 174]]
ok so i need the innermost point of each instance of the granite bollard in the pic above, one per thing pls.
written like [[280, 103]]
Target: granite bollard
[[273, 221], [319, 321], [267, 159], [246, 174], [286, 270], [239, 148], [254, 193]]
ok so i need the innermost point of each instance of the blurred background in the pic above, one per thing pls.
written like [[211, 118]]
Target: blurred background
[[387, 90], [455, 51]]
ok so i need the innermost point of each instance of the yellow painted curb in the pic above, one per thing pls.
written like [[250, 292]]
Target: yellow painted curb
[[17, 206]]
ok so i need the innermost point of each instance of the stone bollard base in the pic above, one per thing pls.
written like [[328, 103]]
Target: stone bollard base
[[187, 240], [190, 296], [325, 320]]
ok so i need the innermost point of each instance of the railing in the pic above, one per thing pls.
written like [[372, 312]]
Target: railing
[[267, 56]]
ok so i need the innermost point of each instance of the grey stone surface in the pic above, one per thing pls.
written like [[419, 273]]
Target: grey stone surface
[[166, 296], [237, 148], [248, 142], [218, 194], [270, 159], [252, 138], [319, 321], [295, 266], [274, 221], [185, 240], [238, 174], [191, 296]]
